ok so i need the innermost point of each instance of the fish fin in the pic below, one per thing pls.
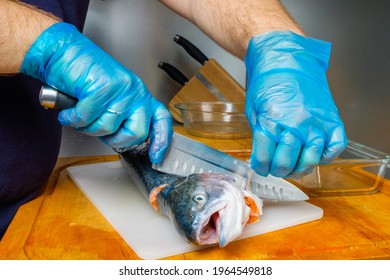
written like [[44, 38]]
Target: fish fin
[[153, 196], [254, 205]]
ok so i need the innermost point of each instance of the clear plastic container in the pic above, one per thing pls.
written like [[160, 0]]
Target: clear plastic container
[[358, 170]]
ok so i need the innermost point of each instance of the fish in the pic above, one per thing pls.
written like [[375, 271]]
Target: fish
[[205, 208]]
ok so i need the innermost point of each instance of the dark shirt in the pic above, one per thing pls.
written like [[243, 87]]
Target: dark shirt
[[29, 135]]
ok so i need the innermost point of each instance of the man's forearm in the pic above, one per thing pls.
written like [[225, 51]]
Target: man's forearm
[[233, 23], [20, 26]]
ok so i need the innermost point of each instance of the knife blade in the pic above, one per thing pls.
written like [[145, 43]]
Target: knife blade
[[186, 156]]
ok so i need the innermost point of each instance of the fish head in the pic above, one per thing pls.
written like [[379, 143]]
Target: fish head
[[210, 208]]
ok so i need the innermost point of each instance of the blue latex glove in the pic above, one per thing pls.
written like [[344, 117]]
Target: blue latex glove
[[295, 122], [114, 104]]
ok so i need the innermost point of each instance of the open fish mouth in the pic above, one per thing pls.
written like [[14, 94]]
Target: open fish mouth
[[220, 226], [225, 220], [209, 232]]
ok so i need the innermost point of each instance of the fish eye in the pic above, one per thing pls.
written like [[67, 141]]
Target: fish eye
[[199, 198]]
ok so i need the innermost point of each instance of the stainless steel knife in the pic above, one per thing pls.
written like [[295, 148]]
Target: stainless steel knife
[[186, 156]]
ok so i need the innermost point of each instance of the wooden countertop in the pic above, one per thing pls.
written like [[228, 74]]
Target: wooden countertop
[[63, 224]]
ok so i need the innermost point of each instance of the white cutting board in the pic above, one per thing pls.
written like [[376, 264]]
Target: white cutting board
[[152, 235]]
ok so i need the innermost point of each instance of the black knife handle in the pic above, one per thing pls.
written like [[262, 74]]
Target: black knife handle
[[54, 99], [173, 72], [191, 49]]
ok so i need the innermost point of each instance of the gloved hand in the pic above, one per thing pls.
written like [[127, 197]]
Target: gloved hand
[[114, 104], [295, 122]]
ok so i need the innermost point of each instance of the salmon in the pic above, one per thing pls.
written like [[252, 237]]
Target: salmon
[[205, 208]]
